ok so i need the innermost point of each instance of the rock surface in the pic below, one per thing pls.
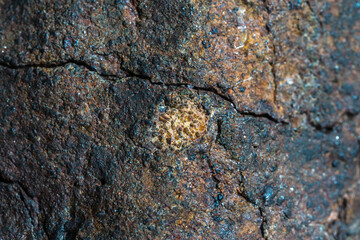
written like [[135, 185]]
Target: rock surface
[[140, 119]]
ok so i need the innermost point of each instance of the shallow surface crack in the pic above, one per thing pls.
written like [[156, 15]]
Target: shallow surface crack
[[222, 96], [263, 223], [132, 74], [56, 65], [349, 116]]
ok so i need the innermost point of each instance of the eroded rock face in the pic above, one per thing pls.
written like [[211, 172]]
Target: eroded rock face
[[179, 119]]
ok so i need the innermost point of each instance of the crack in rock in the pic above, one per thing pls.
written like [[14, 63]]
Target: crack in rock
[[131, 74]]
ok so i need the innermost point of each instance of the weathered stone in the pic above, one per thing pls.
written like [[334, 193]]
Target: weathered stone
[[138, 119]]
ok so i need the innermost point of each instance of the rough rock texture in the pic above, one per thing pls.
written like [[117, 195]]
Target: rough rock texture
[[214, 119]]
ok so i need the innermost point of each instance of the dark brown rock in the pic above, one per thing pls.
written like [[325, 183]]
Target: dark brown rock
[[185, 119]]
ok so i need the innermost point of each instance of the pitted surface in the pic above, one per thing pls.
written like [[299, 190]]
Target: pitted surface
[[134, 119]]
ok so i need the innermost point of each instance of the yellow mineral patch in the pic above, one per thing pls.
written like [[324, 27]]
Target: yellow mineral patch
[[179, 125]]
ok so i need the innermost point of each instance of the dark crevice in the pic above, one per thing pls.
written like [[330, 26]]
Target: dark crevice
[[350, 115], [267, 8], [24, 192], [241, 191], [208, 160], [46, 232], [74, 223], [211, 165], [323, 129], [273, 71], [273, 61], [24, 188], [56, 65], [318, 127], [330, 128], [24, 197], [136, 9], [263, 223], [19, 184], [307, 2], [263, 226], [212, 171], [246, 197], [222, 96], [218, 123], [49, 65], [217, 199], [129, 73], [132, 74], [263, 115], [6, 181]]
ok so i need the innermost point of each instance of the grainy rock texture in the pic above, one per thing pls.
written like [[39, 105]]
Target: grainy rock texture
[[187, 119]]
